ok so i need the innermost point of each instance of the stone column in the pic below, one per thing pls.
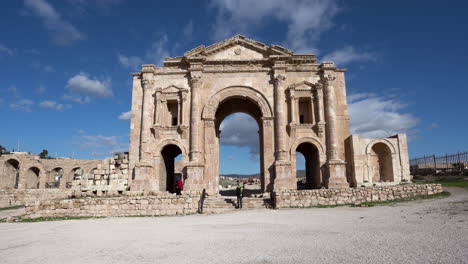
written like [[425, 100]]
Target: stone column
[[336, 167], [320, 119], [312, 112], [280, 116], [145, 155], [195, 169], [144, 167], [283, 176], [157, 107], [195, 154], [178, 112]]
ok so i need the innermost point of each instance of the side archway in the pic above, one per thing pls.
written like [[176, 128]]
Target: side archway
[[9, 177], [314, 157], [380, 157], [167, 168], [32, 178]]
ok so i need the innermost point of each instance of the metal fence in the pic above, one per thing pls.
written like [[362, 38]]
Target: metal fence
[[445, 164]]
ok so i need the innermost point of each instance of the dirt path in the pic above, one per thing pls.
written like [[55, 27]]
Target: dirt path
[[426, 231]]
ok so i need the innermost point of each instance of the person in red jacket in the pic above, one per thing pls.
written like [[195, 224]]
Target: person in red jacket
[[179, 186]]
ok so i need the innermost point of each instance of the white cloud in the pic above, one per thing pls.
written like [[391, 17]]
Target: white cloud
[[100, 146], [155, 55], [4, 49], [240, 130], [131, 62], [305, 20], [54, 105], [77, 98], [24, 105], [188, 30], [61, 31], [348, 55], [374, 116], [81, 84], [42, 67], [125, 116], [40, 90]]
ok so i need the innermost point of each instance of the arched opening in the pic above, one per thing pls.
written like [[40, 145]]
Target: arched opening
[[237, 125], [75, 174], [55, 177], [308, 167], [10, 174], [170, 169], [381, 163], [32, 178]]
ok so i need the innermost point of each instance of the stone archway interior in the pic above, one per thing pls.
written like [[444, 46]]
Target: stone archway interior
[[243, 105], [55, 178], [10, 174], [168, 174], [313, 179], [32, 178], [381, 162]]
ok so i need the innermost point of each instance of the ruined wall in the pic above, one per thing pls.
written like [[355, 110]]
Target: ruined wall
[[307, 198], [167, 204], [109, 177], [27, 171], [377, 161], [21, 197]]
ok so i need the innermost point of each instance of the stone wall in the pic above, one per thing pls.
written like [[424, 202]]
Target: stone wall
[[20, 197], [163, 204], [307, 198], [110, 177]]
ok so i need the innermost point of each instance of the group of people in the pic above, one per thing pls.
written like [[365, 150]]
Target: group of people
[[179, 187]]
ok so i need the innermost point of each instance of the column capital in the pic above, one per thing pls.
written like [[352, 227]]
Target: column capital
[[147, 84], [195, 79], [327, 80], [279, 78]]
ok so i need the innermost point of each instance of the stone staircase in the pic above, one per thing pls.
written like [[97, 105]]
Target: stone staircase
[[221, 204]]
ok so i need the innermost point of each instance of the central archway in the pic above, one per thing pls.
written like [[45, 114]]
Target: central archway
[[230, 100]]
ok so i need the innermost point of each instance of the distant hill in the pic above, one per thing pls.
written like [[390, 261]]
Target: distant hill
[[299, 173]]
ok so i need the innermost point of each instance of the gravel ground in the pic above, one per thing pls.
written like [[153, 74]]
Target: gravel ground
[[427, 231]]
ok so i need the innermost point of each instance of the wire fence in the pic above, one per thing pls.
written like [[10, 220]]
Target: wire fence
[[456, 164]]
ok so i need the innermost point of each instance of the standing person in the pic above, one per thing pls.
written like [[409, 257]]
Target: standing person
[[239, 193], [179, 186]]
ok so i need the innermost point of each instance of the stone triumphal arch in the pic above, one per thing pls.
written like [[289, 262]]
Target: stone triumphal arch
[[298, 103]]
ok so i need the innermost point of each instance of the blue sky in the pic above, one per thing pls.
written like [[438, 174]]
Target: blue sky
[[65, 66]]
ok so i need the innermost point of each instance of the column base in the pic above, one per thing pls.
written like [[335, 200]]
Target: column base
[[194, 177], [337, 174], [144, 180], [283, 176]]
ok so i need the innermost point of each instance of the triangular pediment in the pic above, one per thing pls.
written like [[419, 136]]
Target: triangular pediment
[[172, 89], [237, 48], [303, 85]]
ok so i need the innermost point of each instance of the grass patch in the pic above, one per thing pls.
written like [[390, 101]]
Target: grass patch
[[458, 182], [44, 219], [11, 207]]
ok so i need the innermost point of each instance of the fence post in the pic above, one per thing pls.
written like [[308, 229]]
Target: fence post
[[460, 166], [446, 160], [435, 163]]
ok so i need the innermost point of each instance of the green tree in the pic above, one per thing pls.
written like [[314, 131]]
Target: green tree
[[3, 150], [44, 154]]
